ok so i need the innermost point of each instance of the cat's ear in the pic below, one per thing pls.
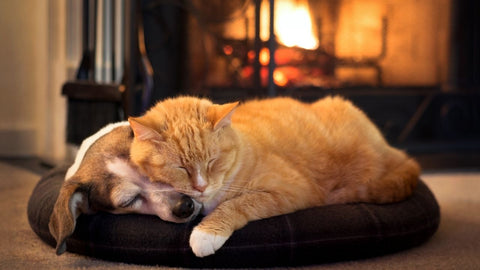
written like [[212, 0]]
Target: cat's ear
[[142, 132], [221, 115]]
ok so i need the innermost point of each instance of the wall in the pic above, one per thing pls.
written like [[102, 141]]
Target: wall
[[32, 70]]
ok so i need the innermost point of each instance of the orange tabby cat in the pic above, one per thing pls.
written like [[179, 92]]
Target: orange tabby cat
[[265, 158]]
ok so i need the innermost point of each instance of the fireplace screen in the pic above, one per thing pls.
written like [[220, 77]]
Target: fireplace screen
[[317, 43]]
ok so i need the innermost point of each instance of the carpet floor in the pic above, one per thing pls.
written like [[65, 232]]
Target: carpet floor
[[455, 245]]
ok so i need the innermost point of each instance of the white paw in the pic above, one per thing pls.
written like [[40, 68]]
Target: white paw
[[204, 243]]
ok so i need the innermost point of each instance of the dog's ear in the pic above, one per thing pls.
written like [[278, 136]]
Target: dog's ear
[[71, 202]]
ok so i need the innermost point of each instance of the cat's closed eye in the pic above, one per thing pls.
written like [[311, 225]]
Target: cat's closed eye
[[184, 169], [210, 163]]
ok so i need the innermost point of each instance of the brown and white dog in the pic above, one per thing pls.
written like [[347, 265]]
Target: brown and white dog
[[102, 178]]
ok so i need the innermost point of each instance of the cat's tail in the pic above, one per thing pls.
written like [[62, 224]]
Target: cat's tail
[[398, 182]]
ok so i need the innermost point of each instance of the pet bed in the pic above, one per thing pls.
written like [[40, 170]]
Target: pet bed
[[311, 236]]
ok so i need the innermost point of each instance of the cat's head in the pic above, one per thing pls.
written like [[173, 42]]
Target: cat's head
[[187, 143]]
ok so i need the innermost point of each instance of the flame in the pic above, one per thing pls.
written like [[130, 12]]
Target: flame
[[264, 58], [293, 24]]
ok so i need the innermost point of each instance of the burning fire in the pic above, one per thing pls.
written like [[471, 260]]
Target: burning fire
[[294, 27], [293, 24], [281, 75]]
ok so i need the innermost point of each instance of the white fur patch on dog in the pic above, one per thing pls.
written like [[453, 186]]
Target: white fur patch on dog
[[122, 169], [129, 180], [204, 243], [86, 145]]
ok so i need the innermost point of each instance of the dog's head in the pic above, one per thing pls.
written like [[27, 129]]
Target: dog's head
[[103, 178]]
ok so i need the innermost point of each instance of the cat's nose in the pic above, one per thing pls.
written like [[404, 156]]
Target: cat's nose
[[199, 182], [184, 207], [200, 188]]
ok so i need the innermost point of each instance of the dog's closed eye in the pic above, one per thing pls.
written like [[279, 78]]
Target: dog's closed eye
[[127, 196], [131, 202]]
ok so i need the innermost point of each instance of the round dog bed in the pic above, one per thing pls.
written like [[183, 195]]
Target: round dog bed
[[312, 236]]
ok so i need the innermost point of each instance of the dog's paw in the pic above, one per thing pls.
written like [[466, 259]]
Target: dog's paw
[[204, 243]]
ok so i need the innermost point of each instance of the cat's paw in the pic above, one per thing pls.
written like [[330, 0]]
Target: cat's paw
[[204, 243]]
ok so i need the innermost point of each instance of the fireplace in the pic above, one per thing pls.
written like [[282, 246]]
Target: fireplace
[[400, 61], [412, 65], [322, 44]]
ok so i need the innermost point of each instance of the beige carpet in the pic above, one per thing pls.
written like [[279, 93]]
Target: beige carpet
[[456, 245]]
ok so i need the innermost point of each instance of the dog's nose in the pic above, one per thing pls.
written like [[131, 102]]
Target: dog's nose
[[184, 207]]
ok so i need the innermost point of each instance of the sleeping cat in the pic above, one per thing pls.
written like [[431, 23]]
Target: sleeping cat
[[265, 158]]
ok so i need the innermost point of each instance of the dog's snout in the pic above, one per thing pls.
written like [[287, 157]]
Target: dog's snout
[[184, 207]]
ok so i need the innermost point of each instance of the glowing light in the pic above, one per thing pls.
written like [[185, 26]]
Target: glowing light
[[293, 24], [251, 54], [264, 56], [279, 78], [227, 49]]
